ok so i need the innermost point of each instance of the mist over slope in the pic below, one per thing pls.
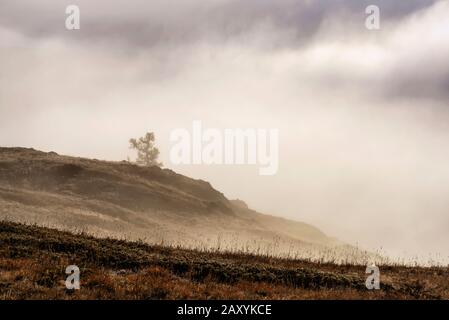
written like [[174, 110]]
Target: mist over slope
[[123, 200]]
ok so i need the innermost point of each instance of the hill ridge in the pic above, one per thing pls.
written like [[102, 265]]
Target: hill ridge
[[117, 199]]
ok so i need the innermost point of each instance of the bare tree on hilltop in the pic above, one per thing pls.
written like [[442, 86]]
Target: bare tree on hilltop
[[147, 153]]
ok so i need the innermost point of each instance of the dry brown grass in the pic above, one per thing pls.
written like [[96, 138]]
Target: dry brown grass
[[33, 261]]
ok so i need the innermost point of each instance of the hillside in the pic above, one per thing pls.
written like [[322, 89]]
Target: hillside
[[123, 200], [33, 261]]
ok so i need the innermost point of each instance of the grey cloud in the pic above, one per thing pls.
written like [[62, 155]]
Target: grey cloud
[[166, 26], [415, 81], [146, 24]]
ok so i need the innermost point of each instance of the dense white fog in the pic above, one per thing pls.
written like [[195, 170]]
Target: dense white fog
[[362, 114]]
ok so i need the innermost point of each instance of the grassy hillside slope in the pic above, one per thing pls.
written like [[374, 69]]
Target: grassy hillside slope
[[33, 261], [123, 200]]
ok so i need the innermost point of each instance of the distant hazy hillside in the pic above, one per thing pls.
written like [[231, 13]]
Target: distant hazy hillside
[[120, 199]]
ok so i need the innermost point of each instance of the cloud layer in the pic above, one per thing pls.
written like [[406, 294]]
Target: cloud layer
[[362, 114]]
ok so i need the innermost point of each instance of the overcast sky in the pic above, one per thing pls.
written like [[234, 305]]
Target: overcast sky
[[363, 114]]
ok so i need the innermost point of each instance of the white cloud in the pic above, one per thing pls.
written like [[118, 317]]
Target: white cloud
[[360, 155]]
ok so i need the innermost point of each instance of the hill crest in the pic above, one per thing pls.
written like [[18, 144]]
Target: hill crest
[[121, 199]]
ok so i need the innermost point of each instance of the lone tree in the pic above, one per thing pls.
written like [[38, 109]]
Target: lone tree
[[147, 153]]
